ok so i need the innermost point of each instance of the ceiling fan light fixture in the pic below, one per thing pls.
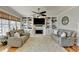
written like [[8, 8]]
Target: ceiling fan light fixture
[[40, 13]]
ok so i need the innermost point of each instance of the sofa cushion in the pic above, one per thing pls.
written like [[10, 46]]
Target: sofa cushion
[[23, 38], [11, 33], [21, 32], [69, 33], [8, 34], [17, 35]]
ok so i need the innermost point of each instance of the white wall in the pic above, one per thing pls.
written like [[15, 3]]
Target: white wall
[[73, 15]]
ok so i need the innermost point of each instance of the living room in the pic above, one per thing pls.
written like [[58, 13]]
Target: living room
[[41, 28]]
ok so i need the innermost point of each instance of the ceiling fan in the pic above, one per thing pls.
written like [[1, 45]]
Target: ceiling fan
[[39, 13]]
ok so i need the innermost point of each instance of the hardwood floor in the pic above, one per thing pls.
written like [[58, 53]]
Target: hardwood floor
[[12, 49], [69, 49], [74, 48]]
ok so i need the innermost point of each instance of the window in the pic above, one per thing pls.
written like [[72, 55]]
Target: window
[[18, 25], [12, 25], [5, 26]]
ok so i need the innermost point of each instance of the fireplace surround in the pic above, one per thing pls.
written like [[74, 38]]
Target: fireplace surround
[[38, 31]]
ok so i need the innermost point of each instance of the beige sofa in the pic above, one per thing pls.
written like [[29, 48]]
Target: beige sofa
[[17, 42]]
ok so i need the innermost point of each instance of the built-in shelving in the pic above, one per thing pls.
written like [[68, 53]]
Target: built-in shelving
[[27, 25]]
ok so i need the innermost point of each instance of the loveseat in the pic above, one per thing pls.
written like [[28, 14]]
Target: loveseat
[[67, 39], [15, 41]]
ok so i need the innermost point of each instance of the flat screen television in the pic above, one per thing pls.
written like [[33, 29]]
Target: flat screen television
[[39, 21]]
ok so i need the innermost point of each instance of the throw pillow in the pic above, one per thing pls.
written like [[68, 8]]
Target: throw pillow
[[74, 35], [11, 33], [64, 34], [55, 31], [69, 33], [17, 35]]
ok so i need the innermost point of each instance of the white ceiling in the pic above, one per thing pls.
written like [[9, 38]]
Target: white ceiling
[[51, 10]]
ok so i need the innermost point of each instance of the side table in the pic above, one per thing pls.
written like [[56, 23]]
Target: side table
[[3, 40]]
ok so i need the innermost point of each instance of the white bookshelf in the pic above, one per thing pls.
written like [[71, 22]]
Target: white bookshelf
[[27, 25]]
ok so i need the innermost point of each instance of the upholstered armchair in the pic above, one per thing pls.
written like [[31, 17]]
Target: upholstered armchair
[[67, 39]]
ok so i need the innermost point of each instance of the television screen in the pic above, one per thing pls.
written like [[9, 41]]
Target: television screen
[[39, 21]]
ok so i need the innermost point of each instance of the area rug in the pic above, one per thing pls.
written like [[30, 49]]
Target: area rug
[[41, 44]]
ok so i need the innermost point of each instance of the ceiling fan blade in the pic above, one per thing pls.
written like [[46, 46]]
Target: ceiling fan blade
[[43, 15], [35, 12], [43, 12]]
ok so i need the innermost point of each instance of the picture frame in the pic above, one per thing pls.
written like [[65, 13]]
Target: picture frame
[[65, 20]]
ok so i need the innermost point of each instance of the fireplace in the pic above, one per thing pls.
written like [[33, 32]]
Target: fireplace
[[38, 31]]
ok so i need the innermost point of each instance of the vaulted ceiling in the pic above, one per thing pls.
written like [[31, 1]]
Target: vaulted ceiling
[[51, 10]]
